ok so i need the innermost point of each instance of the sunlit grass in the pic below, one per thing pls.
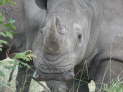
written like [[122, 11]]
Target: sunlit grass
[[5, 85], [116, 86]]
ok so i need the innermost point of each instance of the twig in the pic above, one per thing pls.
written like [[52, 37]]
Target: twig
[[41, 84]]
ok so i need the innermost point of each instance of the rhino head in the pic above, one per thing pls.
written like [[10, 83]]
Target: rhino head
[[61, 43]]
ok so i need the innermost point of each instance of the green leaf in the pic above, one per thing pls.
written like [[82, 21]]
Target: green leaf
[[3, 34], [3, 42], [12, 2], [2, 19], [0, 49], [9, 67], [25, 64], [11, 21], [2, 74], [27, 55], [10, 26], [7, 60], [3, 2], [9, 34]]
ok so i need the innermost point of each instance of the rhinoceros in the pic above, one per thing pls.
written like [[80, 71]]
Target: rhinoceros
[[68, 36]]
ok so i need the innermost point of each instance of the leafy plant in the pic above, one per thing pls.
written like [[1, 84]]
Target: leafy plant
[[7, 28], [4, 2]]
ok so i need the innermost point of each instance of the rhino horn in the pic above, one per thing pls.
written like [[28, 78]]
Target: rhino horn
[[52, 41]]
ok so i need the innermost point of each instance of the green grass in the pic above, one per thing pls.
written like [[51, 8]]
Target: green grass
[[114, 87]]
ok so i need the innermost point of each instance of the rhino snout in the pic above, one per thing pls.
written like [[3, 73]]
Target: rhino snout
[[51, 46], [54, 37]]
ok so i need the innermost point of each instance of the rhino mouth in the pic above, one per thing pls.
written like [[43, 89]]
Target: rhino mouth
[[55, 63], [64, 76], [52, 57], [50, 69], [54, 67], [55, 72]]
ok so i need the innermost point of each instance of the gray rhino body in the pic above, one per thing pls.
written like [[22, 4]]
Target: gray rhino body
[[65, 33]]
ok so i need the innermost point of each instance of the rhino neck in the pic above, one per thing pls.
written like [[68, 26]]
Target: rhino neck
[[96, 13]]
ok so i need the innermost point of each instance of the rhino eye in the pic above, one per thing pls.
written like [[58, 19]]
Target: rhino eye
[[79, 37], [77, 28], [41, 31]]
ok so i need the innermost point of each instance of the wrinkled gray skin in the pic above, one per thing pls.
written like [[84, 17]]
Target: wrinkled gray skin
[[65, 33]]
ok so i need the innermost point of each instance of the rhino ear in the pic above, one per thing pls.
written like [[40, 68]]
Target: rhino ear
[[41, 3]]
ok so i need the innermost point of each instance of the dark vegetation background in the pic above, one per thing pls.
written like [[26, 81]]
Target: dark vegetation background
[[8, 66]]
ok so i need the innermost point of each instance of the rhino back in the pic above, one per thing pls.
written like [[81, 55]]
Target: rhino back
[[111, 28], [106, 40]]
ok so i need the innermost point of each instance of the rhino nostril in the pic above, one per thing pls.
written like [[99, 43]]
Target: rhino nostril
[[68, 75], [51, 46]]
